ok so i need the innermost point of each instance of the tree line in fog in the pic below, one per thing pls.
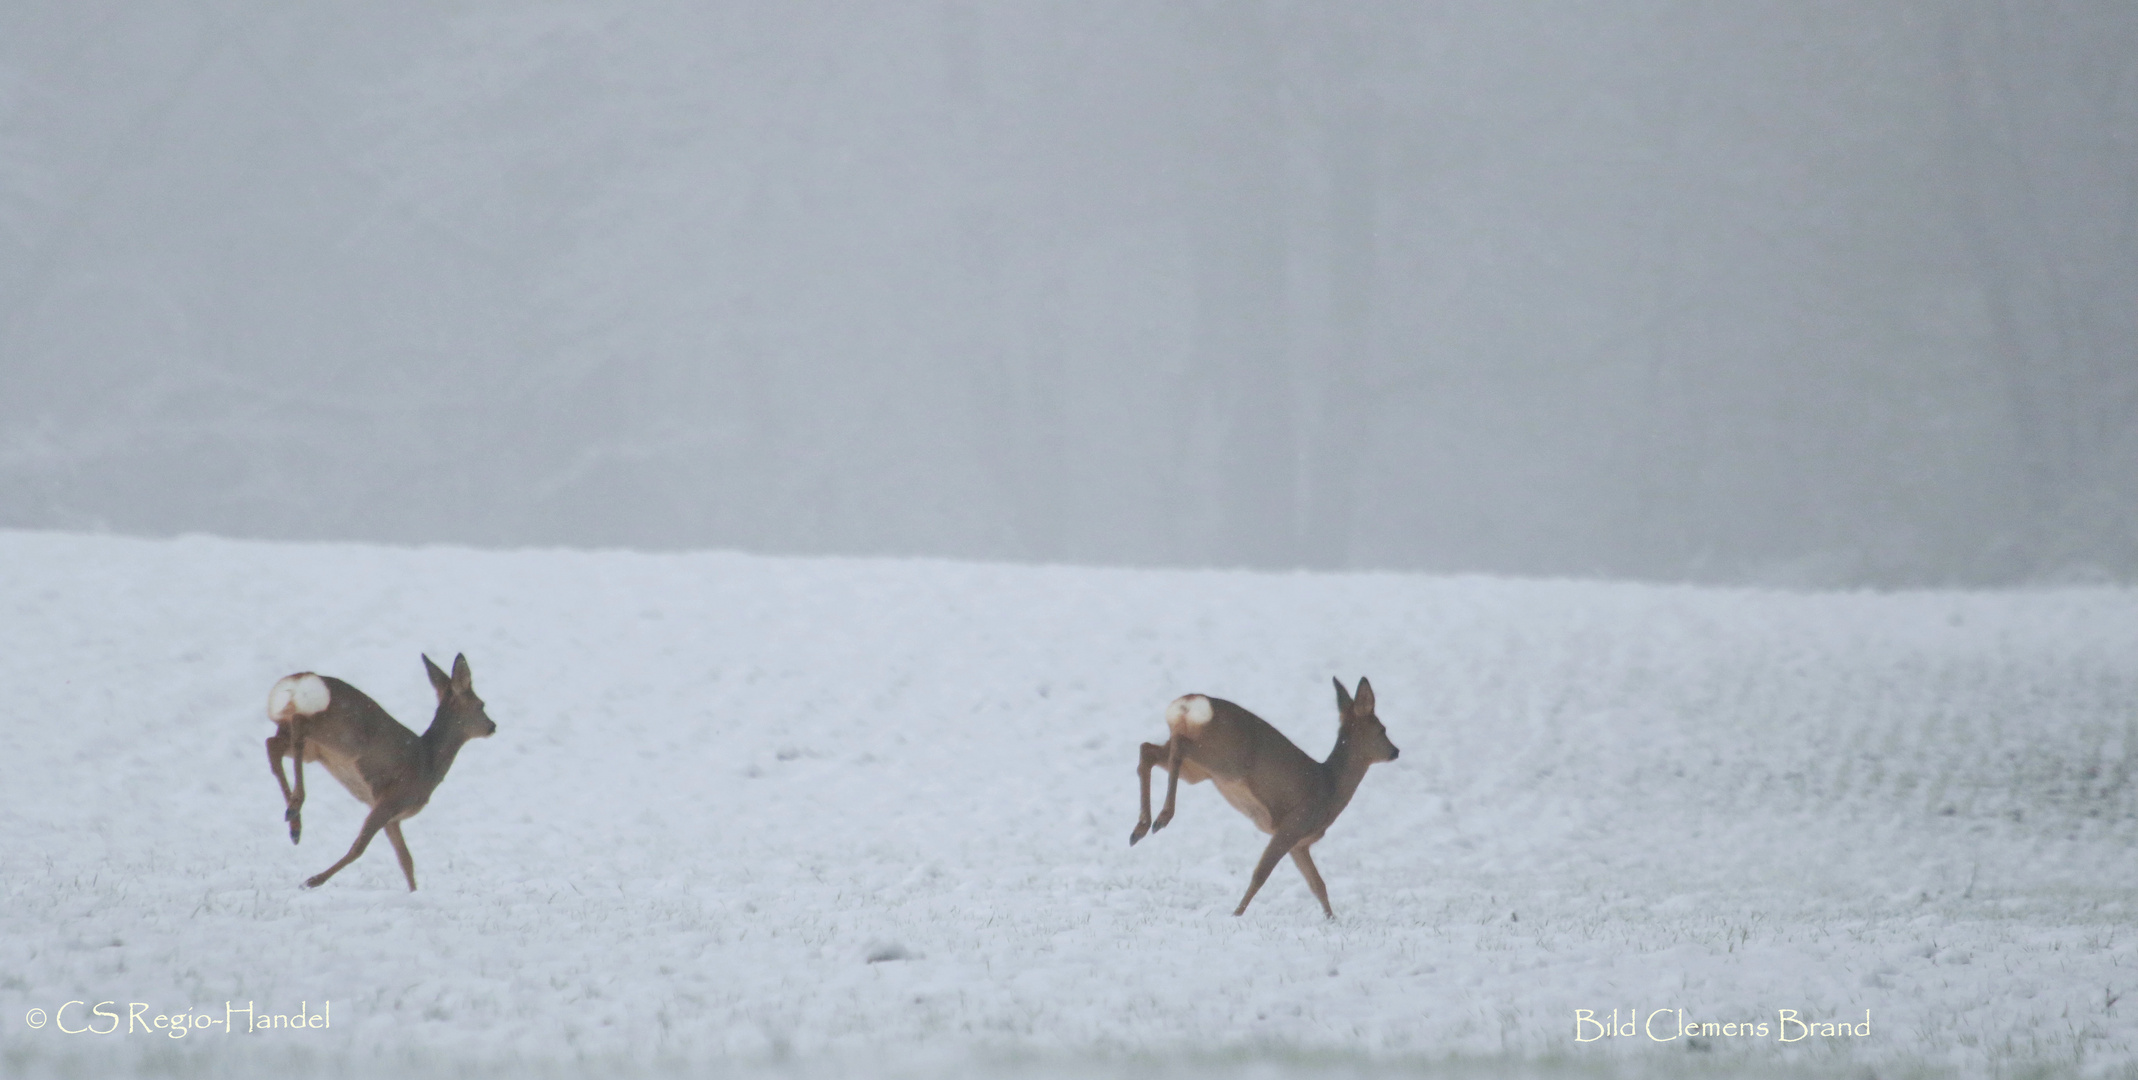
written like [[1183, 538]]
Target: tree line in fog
[[1819, 294]]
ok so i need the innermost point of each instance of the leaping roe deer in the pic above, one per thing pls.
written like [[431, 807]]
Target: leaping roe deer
[[386, 766], [1287, 794]]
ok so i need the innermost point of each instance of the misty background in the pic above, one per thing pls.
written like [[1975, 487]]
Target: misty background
[[1814, 293]]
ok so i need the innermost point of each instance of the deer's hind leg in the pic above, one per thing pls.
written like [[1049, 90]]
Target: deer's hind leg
[[1176, 755], [278, 745], [1178, 766], [1151, 754]]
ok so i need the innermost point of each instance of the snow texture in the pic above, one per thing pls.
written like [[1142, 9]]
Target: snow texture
[[837, 816]]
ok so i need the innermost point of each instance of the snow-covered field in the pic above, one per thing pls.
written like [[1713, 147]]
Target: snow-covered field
[[722, 784]]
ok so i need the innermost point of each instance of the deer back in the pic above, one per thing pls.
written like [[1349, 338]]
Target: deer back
[[357, 741], [1252, 762]]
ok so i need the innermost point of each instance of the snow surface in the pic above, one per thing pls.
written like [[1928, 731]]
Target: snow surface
[[835, 816]]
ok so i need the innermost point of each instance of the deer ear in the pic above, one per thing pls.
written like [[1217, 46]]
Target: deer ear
[[1363, 704], [463, 681], [1343, 697], [439, 680]]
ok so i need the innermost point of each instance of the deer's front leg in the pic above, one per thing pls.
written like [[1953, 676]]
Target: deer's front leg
[[373, 822], [1150, 755], [408, 862], [1305, 863], [1287, 836]]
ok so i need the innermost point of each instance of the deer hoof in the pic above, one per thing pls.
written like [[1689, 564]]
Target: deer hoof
[[1143, 829]]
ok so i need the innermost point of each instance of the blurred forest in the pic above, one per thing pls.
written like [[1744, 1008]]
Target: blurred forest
[[1807, 293]]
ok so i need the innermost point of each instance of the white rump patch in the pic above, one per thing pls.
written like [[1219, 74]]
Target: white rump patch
[[1191, 710], [303, 694]]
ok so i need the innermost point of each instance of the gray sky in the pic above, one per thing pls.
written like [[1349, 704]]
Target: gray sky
[[1805, 293]]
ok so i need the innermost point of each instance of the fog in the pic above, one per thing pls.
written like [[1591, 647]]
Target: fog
[[1806, 293]]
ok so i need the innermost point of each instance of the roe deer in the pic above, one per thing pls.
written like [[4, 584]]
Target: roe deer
[[386, 766], [1285, 793]]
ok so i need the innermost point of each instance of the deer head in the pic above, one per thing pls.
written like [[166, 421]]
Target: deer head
[[1358, 729], [460, 712]]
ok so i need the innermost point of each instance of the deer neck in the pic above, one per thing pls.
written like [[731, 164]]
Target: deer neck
[[1345, 769], [442, 742]]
